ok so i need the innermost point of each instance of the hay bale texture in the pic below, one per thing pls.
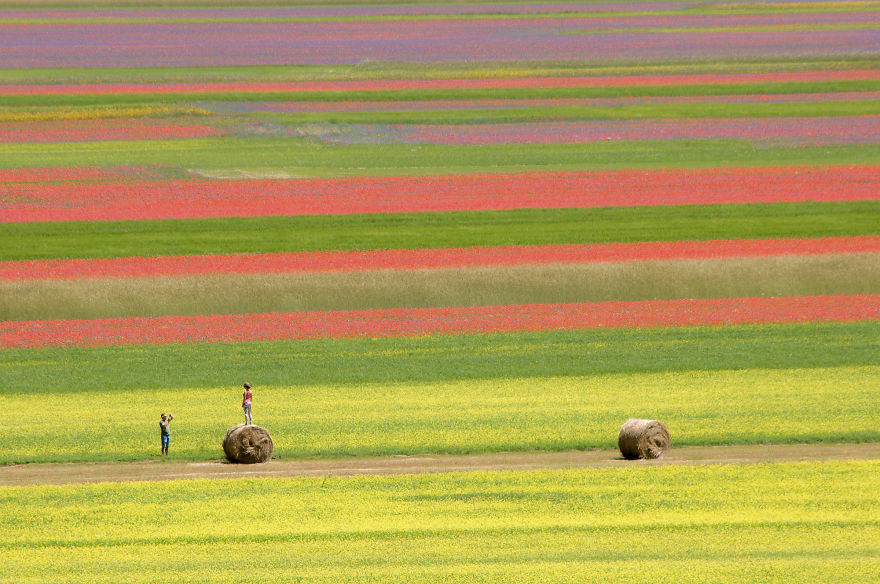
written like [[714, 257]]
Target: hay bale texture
[[643, 439], [248, 444]]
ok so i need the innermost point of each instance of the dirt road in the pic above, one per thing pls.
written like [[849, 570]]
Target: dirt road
[[151, 470]]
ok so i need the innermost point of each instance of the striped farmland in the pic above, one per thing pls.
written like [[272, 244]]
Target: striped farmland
[[422, 229]]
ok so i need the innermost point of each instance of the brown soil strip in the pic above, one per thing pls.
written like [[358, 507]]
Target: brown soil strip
[[155, 470]]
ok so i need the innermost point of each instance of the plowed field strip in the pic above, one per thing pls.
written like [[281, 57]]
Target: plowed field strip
[[406, 84], [71, 473], [411, 259], [189, 199], [432, 321]]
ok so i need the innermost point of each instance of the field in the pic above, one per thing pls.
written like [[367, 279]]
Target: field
[[433, 231]]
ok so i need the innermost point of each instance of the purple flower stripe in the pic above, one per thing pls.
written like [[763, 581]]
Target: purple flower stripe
[[342, 11], [792, 130], [192, 44], [476, 104]]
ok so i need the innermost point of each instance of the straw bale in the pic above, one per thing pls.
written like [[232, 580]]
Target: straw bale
[[248, 444], [643, 439]]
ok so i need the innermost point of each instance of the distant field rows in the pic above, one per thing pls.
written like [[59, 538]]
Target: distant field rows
[[814, 99], [424, 321], [99, 130], [674, 80], [551, 37], [789, 130], [420, 259], [170, 199]]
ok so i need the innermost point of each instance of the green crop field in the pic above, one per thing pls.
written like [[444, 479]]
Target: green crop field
[[195, 194]]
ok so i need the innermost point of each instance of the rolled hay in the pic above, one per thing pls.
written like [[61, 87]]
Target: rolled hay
[[643, 439], [248, 444]]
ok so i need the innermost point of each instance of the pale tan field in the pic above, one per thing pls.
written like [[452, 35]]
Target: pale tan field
[[537, 284]]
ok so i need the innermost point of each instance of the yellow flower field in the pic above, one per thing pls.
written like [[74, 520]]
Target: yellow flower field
[[700, 407], [808, 522]]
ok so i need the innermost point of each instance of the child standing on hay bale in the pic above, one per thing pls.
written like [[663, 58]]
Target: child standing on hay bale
[[246, 399], [165, 432]]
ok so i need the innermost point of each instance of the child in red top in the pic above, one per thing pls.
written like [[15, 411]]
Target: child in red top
[[246, 403]]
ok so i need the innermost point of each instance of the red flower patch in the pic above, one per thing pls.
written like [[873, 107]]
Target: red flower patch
[[100, 130], [182, 199], [414, 259], [435, 321]]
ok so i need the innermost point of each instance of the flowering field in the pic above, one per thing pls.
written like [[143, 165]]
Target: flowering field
[[210, 191], [441, 228], [776, 522]]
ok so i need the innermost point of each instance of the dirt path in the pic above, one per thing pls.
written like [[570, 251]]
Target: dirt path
[[151, 470]]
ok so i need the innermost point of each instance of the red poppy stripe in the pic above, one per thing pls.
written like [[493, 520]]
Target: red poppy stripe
[[434, 321], [407, 84], [415, 259], [189, 199]]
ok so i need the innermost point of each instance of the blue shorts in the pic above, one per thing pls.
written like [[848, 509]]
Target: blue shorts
[[165, 440]]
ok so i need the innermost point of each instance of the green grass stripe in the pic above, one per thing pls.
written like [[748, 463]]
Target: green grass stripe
[[307, 158], [533, 113], [436, 230], [746, 406], [515, 113], [118, 99], [445, 358], [441, 70], [773, 523]]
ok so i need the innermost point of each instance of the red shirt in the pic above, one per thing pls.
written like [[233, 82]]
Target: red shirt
[[247, 396]]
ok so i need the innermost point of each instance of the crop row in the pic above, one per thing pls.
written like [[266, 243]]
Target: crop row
[[411, 259], [583, 82], [439, 358], [790, 131], [377, 288], [91, 130], [21, 202], [795, 130], [149, 43], [480, 105], [425, 321]]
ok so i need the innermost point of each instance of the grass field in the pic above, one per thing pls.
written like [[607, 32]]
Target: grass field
[[662, 210]]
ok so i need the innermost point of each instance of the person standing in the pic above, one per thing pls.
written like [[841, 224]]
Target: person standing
[[246, 399], [165, 432]]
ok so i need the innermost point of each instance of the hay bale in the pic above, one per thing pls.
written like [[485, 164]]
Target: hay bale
[[248, 444], [643, 439]]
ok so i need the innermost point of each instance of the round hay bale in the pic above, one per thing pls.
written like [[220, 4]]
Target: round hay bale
[[248, 444], [643, 439]]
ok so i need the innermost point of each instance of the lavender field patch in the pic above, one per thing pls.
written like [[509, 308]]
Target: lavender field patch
[[796, 131]]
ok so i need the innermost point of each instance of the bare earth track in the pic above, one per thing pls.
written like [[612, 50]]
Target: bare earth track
[[154, 470]]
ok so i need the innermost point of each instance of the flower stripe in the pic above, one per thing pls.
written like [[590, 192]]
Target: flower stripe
[[434, 321], [100, 130], [187, 199], [446, 84], [415, 259]]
